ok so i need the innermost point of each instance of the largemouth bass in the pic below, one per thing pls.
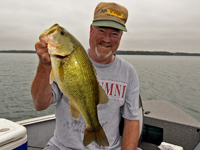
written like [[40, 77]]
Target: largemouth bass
[[76, 78]]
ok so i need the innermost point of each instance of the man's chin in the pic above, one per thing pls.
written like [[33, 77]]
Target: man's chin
[[103, 55]]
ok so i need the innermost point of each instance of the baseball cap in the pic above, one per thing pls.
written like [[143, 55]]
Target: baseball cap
[[110, 14]]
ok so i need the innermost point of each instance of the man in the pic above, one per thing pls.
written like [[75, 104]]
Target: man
[[117, 77]]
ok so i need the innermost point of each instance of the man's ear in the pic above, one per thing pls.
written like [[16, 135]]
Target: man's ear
[[91, 28]]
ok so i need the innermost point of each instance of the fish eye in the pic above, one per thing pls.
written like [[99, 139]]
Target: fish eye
[[62, 32]]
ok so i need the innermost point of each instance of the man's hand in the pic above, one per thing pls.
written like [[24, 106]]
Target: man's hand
[[42, 52]]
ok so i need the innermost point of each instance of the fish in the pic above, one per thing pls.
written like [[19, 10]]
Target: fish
[[76, 77]]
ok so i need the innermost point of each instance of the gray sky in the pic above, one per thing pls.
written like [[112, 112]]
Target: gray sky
[[153, 25]]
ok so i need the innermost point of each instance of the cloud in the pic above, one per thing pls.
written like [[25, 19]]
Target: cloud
[[169, 25]]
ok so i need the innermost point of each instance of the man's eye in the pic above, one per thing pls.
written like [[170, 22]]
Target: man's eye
[[101, 30], [115, 34]]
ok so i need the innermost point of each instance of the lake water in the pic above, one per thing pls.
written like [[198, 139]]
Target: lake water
[[172, 78]]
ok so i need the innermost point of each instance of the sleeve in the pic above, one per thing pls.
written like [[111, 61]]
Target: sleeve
[[57, 94], [130, 109]]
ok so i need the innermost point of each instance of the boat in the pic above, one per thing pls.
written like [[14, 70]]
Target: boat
[[160, 121]]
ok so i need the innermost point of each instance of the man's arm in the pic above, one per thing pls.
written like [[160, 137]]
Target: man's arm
[[41, 89], [130, 136]]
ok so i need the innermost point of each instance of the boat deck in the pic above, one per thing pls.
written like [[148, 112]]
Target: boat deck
[[174, 125], [162, 122]]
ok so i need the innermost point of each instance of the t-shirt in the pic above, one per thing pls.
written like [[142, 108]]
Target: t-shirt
[[120, 82]]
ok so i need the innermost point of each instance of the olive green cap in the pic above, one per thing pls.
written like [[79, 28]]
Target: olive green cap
[[110, 15]]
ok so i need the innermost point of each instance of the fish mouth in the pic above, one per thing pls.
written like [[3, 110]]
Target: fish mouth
[[55, 46], [56, 54], [52, 29], [61, 57]]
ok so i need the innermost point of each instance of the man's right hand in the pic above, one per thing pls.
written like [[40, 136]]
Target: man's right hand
[[41, 89], [42, 52]]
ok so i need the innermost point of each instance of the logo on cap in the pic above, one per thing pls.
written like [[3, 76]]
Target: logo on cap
[[111, 12]]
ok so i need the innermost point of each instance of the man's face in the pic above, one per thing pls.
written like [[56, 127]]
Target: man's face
[[104, 42]]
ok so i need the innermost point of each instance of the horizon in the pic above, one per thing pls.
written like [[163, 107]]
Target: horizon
[[116, 51]]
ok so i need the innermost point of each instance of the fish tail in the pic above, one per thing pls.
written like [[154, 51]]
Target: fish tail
[[97, 135]]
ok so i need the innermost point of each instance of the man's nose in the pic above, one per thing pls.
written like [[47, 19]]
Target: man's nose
[[107, 38]]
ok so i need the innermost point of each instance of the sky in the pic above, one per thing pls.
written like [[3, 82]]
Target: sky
[[153, 25]]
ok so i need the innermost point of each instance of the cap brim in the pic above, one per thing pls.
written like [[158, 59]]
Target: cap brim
[[109, 23]]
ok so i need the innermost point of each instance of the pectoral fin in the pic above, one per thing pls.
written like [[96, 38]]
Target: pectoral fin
[[103, 98], [51, 78], [61, 69], [74, 111]]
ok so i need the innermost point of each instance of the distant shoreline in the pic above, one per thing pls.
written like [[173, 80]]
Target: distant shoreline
[[122, 52], [17, 51], [164, 53]]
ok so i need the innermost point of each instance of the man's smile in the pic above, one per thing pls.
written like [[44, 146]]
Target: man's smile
[[105, 45]]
